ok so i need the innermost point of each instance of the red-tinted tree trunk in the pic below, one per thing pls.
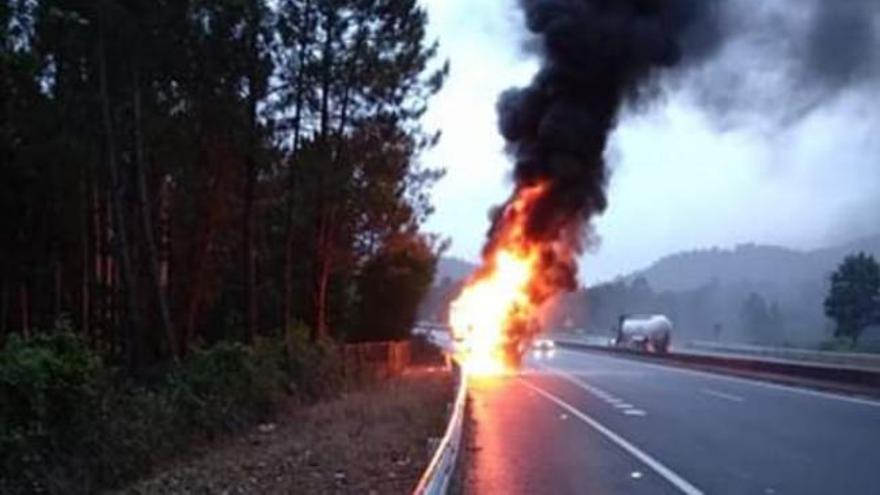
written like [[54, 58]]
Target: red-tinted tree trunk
[[131, 333], [147, 221]]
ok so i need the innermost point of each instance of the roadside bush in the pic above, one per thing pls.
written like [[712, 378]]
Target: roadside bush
[[71, 424], [47, 386], [314, 370], [228, 385]]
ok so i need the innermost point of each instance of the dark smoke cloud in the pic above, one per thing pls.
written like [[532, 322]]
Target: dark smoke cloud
[[781, 60], [842, 41], [596, 55], [778, 59]]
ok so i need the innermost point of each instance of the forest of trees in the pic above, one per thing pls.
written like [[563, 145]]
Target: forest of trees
[[734, 312], [180, 172], [709, 312]]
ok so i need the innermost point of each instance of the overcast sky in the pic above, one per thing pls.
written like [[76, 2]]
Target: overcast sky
[[683, 177]]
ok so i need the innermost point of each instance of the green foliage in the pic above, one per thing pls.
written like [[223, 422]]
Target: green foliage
[[853, 300], [226, 385], [392, 285], [304, 114], [313, 369], [68, 423], [187, 112]]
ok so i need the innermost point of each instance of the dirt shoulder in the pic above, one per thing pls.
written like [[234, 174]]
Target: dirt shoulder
[[371, 441]]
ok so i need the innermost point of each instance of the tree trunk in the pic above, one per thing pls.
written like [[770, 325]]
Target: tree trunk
[[85, 281], [327, 209], [199, 260], [291, 177], [57, 288], [121, 247], [165, 249], [100, 299], [320, 330], [198, 256], [287, 320], [4, 309], [322, 247], [250, 259], [147, 219], [322, 274], [23, 303], [249, 214]]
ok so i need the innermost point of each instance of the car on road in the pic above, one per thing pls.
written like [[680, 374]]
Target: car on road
[[544, 345]]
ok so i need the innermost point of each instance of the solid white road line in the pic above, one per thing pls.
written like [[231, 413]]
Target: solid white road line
[[748, 381], [722, 395], [668, 474]]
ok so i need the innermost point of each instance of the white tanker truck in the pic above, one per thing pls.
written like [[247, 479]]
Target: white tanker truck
[[647, 333]]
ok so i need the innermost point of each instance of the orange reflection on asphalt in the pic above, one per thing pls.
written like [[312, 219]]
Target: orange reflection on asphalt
[[492, 405]]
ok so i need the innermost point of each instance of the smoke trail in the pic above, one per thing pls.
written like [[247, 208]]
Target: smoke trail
[[596, 55], [782, 60]]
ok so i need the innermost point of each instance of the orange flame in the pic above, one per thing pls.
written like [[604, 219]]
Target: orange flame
[[492, 317]]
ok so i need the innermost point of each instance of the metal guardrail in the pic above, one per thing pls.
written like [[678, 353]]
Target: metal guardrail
[[438, 476], [854, 359]]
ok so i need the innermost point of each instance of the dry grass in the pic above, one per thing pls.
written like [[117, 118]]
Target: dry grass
[[371, 441]]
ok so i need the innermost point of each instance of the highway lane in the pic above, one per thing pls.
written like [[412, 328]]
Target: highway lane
[[581, 422]]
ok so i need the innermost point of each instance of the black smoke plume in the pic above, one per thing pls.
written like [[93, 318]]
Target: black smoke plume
[[596, 55], [601, 56], [779, 61]]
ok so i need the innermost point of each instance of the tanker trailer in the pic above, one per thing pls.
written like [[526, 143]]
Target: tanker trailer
[[647, 333]]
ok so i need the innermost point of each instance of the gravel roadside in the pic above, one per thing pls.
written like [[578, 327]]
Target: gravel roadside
[[373, 441]]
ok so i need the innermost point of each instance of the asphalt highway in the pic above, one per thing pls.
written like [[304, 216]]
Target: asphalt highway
[[584, 422]]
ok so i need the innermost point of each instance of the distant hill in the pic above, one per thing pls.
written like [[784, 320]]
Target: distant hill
[[751, 293], [454, 269], [750, 264]]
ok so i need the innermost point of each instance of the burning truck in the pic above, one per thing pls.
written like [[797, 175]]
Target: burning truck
[[596, 56]]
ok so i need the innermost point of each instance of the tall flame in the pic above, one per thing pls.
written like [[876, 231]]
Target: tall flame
[[493, 317]]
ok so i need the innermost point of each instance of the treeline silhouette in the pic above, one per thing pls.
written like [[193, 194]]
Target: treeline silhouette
[[179, 172]]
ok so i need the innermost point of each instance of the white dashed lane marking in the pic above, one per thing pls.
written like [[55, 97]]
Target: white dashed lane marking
[[676, 480], [619, 404]]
